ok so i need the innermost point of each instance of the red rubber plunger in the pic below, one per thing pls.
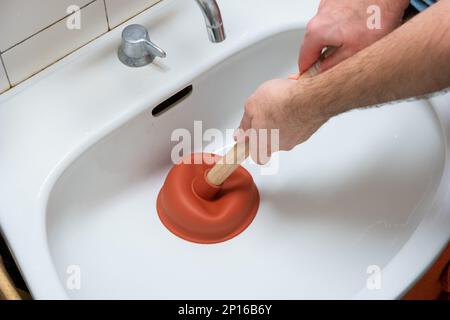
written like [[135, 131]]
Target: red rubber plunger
[[209, 203]]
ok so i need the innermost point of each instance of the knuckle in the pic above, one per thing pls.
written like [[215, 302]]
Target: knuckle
[[250, 106], [314, 25], [287, 146]]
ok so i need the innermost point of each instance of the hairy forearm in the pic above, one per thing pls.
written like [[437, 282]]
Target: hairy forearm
[[414, 60]]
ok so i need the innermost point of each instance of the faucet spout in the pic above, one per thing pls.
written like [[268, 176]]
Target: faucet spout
[[213, 20]]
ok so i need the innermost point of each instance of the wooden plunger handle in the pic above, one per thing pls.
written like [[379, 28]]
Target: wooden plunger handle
[[7, 289], [228, 163], [241, 150]]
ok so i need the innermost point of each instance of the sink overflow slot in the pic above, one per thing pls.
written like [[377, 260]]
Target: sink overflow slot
[[172, 101]]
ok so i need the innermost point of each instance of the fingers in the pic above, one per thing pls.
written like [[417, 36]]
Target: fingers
[[260, 145], [246, 124], [260, 141], [321, 32], [337, 57], [310, 51], [266, 112]]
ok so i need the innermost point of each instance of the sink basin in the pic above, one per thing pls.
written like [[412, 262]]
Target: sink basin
[[347, 199], [367, 190]]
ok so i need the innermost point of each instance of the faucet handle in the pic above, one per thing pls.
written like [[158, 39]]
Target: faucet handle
[[137, 49], [154, 49]]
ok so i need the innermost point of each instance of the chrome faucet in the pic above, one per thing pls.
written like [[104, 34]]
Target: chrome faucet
[[213, 19], [137, 50]]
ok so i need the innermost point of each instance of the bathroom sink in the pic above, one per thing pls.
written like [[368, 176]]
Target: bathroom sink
[[347, 199], [369, 191]]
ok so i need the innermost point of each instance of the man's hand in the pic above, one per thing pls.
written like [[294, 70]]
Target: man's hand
[[277, 104], [380, 73], [343, 24]]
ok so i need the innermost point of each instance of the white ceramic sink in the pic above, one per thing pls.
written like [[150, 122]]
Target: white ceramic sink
[[84, 160]]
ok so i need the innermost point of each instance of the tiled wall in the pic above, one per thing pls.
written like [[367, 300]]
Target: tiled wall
[[35, 33]]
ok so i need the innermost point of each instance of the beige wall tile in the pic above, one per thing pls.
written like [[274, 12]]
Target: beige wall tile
[[120, 11], [4, 83], [44, 48], [20, 19]]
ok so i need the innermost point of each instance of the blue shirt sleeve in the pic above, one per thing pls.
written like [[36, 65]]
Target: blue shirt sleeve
[[422, 4]]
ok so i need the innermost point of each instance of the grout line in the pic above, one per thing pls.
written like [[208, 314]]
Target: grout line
[[62, 57], [59, 59], [47, 27], [136, 14], [6, 71], [69, 53], [107, 16]]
